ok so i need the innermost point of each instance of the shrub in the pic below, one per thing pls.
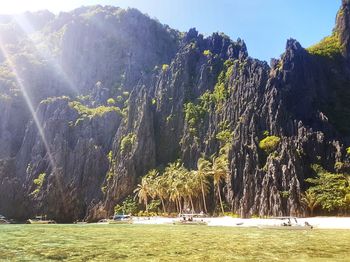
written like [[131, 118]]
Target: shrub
[[269, 143], [338, 166], [85, 111], [154, 206], [224, 136], [165, 67], [329, 189], [207, 53], [129, 206], [39, 183], [348, 151], [266, 133], [119, 99], [127, 141], [193, 114], [285, 194], [110, 101]]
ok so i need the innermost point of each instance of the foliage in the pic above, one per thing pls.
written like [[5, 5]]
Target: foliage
[[285, 194], [207, 53], [39, 181], [219, 172], [310, 200], [110, 174], [154, 206], [110, 101], [165, 67], [266, 133], [329, 47], [120, 99], [85, 111], [193, 114], [129, 206], [330, 189], [220, 93], [177, 185], [348, 151], [224, 136], [338, 166], [269, 143], [127, 141]]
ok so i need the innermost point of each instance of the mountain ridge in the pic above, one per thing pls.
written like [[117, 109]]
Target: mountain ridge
[[110, 90]]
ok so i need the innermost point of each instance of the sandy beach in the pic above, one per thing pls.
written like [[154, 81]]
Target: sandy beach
[[316, 222]]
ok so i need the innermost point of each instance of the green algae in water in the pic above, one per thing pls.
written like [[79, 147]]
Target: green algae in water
[[169, 243]]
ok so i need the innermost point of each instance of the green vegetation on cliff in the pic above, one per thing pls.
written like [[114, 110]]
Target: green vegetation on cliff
[[38, 182], [269, 143], [329, 47], [127, 142], [85, 111], [195, 112]]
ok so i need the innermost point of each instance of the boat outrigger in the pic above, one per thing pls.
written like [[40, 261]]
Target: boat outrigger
[[190, 219], [41, 220], [288, 223]]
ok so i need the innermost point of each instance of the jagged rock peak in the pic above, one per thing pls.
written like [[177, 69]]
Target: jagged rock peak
[[345, 2], [343, 27]]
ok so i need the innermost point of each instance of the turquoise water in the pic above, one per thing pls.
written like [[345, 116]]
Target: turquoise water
[[169, 243]]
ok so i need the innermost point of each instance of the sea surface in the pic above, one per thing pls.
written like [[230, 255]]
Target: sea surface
[[93, 242]]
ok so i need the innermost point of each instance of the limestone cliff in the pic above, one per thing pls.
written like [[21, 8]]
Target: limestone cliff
[[108, 88]]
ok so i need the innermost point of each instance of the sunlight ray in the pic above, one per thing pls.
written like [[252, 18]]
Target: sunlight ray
[[29, 104], [28, 29]]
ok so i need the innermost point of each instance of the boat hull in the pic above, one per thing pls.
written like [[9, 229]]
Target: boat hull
[[191, 223], [4, 222], [113, 222], [286, 227], [41, 222]]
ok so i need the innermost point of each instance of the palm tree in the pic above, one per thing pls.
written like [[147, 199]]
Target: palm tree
[[310, 200], [174, 184], [151, 177], [161, 187], [202, 172], [142, 191], [219, 171], [190, 186]]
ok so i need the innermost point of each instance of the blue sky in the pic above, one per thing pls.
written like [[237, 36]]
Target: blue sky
[[264, 25]]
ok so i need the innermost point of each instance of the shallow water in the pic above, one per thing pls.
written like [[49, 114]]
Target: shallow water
[[169, 243]]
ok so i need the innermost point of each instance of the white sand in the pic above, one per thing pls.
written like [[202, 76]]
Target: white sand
[[317, 222]]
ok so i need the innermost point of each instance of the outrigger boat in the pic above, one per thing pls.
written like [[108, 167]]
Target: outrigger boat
[[117, 219], [3, 220], [290, 223], [40, 220], [121, 219], [190, 219]]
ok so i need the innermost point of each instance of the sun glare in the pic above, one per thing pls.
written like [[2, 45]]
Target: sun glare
[[19, 6]]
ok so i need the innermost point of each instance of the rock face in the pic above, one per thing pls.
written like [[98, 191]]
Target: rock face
[[106, 90]]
